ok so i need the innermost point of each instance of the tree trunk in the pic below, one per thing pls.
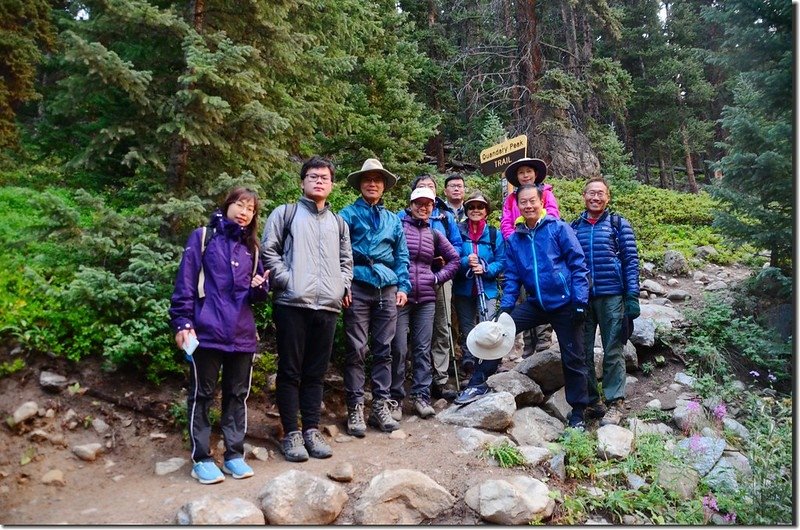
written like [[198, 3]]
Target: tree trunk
[[516, 94], [529, 53], [662, 168], [689, 166], [179, 154], [568, 19]]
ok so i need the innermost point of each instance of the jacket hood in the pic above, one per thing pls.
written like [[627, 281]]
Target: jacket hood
[[231, 229]]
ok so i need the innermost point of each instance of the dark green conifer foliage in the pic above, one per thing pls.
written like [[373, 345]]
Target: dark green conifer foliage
[[757, 187]]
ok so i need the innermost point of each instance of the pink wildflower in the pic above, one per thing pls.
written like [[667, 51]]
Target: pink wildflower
[[693, 406], [696, 445], [720, 411], [729, 518], [710, 502]]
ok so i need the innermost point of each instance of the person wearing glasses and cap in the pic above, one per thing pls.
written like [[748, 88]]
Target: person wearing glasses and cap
[[417, 315], [380, 286], [482, 261], [441, 219]]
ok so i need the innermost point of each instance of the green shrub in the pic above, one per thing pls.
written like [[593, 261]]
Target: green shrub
[[505, 454]]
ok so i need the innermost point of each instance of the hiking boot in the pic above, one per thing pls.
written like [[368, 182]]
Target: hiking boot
[[293, 447], [316, 445], [355, 421], [207, 472], [381, 417], [423, 407], [576, 420], [236, 468], [472, 393], [616, 412], [396, 409], [441, 391], [596, 410]]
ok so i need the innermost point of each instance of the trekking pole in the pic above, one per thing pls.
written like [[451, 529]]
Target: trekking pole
[[483, 311], [449, 320]]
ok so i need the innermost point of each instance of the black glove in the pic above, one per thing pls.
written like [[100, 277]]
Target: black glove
[[579, 313], [501, 311]]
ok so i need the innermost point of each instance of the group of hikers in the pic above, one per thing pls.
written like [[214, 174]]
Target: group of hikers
[[396, 277]]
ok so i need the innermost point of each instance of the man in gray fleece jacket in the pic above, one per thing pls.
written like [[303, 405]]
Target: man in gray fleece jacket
[[306, 248]]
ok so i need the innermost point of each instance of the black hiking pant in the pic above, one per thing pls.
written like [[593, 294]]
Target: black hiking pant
[[237, 371]]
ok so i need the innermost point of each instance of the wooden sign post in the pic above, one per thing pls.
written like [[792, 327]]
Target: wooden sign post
[[497, 158]]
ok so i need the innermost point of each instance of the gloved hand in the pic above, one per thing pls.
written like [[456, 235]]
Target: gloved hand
[[632, 306], [579, 313], [501, 311]]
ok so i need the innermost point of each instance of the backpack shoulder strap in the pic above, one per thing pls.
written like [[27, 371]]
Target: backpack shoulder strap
[[492, 238], [289, 211], [205, 237]]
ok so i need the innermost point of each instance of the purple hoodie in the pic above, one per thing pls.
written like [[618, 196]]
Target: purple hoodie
[[420, 241], [223, 320]]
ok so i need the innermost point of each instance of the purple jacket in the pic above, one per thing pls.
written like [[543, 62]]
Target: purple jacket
[[420, 241], [223, 320]]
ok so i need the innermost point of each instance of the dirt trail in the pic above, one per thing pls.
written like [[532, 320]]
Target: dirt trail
[[121, 486]]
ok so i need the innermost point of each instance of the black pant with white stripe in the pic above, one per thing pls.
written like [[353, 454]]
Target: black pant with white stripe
[[237, 370]]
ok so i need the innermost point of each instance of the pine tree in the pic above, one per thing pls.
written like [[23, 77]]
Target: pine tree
[[757, 188], [25, 32]]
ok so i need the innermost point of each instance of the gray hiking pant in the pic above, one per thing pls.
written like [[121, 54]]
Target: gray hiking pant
[[369, 326]]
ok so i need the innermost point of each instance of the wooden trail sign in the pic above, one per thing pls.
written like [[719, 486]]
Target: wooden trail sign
[[497, 158]]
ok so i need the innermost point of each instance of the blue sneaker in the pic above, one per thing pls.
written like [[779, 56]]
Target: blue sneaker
[[207, 473], [470, 394], [236, 468]]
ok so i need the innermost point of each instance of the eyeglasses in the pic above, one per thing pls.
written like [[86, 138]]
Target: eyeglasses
[[592, 193], [420, 204], [478, 206], [455, 186], [318, 178]]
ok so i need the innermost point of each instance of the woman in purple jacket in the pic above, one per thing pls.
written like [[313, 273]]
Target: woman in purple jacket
[[220, 276], [417, 315]]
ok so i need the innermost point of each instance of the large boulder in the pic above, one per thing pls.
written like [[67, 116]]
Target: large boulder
[[492, 412], [473, 439], [614, 442], [401, 496], [700, 452], [533, 426], [681, 480], [516, 500], [217, 510], [298, 497], [545, 369], [524, 389], [675, 263]]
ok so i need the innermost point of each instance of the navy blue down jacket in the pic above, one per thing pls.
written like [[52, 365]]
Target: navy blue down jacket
[[612, 257], [549, 262]]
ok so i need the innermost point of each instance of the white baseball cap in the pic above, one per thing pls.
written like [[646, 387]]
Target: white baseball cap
[[422, 193]]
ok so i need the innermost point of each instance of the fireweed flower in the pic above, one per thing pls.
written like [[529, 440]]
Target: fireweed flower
[[710, 502], [693, 406], [696, 444], [754, 373], [729, 517], [772, 378], [720, 411]]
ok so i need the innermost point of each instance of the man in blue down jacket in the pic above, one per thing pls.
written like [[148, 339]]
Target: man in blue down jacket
[[544, 256], [613, 298], [380, 286]]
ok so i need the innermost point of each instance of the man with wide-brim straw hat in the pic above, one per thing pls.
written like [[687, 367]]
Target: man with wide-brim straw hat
[[380, 285], [523, 172], [371, 166], [489, 342]]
